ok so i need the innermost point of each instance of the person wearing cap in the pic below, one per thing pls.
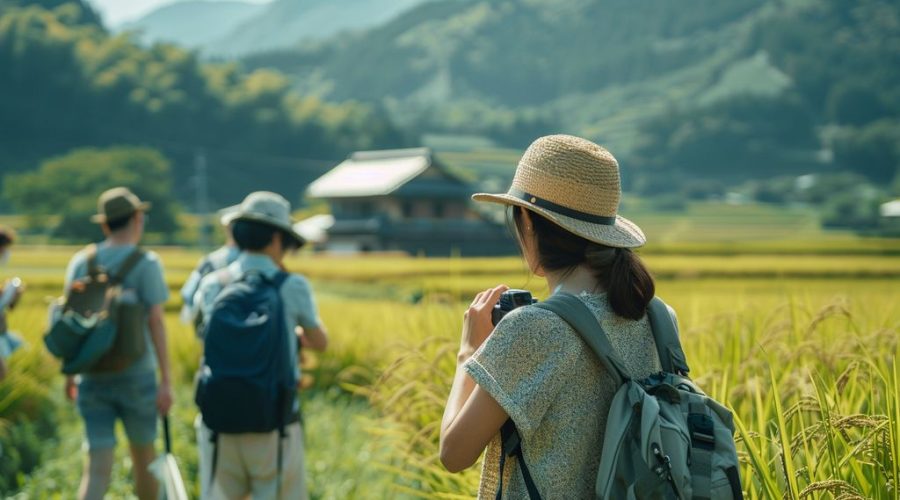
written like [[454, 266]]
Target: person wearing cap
[[133, 394], [245, 464], [533, 367], [10, 293], [215, 260]]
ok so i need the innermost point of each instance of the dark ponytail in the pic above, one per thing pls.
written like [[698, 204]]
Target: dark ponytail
[[628, 284], [619, 271]]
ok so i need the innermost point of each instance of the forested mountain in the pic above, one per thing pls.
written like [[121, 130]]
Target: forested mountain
[[66, 83], [734, 90], [681, 91], [285, 23], [192, 23]]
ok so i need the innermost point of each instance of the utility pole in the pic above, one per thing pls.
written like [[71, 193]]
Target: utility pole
[[202, 196]]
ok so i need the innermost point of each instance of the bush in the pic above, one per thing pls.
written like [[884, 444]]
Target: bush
[[849, 210], [69, 186], [826, 187], [28, 415], [872, 151], [703, 189], [779, 190]]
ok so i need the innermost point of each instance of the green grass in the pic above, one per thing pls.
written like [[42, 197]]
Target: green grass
[[801, 343]]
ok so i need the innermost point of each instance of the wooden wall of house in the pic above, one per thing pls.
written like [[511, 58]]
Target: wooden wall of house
[[402, 209]]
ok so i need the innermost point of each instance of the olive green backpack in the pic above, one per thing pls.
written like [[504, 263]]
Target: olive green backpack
[[665, 438], [99, 331]]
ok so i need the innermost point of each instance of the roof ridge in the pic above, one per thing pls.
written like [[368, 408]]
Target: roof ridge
[[388, 154]]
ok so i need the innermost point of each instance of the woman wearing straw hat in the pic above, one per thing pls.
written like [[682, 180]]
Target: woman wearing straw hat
[[533, 367]]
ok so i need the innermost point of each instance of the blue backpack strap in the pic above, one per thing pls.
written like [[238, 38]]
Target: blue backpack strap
[[279, 278], [665, 333], [512, 447]]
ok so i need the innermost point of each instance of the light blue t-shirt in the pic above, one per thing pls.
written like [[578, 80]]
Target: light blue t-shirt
[[296, 296], [219, 259], [145, 281]]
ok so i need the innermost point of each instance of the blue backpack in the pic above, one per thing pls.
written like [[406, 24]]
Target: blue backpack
[[246, 383]]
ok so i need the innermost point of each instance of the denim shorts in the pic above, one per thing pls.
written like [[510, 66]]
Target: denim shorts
[[131, 399]]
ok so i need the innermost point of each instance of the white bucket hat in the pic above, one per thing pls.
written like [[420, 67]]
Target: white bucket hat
[[575, 184], [225, 214], [267, 208]]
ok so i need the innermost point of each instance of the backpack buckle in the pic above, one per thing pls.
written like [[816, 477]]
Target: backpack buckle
[[664, 468], [701, 428]]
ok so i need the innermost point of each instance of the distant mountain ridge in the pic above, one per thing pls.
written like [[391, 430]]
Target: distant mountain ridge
[[235, 29], [727, 90], [284, 23], [193, 23], [578, 61]]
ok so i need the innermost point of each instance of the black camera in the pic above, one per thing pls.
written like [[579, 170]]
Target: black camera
[[509, 300]]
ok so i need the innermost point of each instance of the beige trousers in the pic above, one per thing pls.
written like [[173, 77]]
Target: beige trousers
[[247, 465]]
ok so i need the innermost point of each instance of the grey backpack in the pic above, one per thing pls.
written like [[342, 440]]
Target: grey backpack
[[664, 437]]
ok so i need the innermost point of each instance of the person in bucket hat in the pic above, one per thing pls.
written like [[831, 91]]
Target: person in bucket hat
[[533, 368], [132, 394], [245, 463]]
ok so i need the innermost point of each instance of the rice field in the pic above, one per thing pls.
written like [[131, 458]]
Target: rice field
[[800, 341]]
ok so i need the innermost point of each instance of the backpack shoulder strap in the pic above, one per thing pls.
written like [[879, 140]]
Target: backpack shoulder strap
[[279, 279], [665, 333], [206, 266], [276, 280], [571, 309], [512, 447], [130, 261]]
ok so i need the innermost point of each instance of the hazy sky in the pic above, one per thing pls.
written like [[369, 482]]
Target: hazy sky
[[116, 12]]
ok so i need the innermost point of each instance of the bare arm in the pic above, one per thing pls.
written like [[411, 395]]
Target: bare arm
[[158, 336], [472, 417], [313, 338]]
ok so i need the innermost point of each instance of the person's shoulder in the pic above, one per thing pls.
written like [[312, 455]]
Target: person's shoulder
[[295, 282], [221, 257], [527, 319], [80, 257], [150, 261], [217, 279], [150, 255]]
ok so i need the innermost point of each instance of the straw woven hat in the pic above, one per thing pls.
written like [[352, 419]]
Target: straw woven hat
[[575, 184]]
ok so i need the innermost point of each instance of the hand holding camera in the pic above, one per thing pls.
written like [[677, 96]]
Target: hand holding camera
[[509, 300], [488, 308], [477, 325]]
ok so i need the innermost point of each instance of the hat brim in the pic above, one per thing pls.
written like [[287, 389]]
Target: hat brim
[[144, 206], [289, 229], [227, 214], [622, 234]]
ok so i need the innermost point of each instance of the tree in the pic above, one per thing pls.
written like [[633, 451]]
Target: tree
[[739, 138], [67, 188], [873, 151], [67, 84]]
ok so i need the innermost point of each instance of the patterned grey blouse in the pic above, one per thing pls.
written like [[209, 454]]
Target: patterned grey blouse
[[557, 393]]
